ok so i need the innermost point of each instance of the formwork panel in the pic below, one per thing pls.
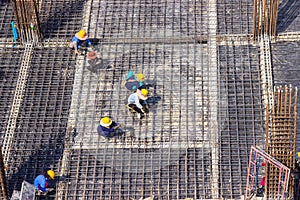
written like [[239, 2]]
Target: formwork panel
[[40, 130], [148, 19], [9, 70], [240, 114], [6, 17], [235, 16]]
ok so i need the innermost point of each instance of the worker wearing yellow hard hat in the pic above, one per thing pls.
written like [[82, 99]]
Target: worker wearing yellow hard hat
[[137, 102], [80, 40], [107, 127], [41, 182]]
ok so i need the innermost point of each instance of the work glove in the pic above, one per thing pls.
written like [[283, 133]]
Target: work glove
[[92, 47]]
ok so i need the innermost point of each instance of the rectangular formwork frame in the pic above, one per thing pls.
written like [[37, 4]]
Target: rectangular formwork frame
[[283, 177]]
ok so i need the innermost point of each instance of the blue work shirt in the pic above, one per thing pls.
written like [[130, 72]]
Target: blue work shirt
[[107, 132], [40, 183], [78, 42]]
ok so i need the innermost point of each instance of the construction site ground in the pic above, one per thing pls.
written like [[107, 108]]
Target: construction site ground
[[206, 96]]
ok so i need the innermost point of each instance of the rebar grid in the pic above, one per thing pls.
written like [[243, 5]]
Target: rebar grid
[[61, 18], [182, 83], [173, 164], [96, 175], [163, 138], [9, 70], [173, 74], [148, 19], [240, 114], [40, 128], [286, 69], [6, 17], [235, 16], [17, 101]]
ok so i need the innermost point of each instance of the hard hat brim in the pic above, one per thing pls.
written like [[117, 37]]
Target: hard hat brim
[[81, 38], [105, 124]]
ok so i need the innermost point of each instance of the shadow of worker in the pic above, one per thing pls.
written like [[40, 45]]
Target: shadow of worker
[[94, 62]]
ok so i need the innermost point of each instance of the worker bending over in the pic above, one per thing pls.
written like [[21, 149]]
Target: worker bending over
[[107, 128], [137, 102], [80, 40], [41, 182]]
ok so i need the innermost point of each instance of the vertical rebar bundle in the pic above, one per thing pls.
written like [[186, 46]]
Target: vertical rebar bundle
[[265, 16], [281, 140], [3, 183], [27, 20]]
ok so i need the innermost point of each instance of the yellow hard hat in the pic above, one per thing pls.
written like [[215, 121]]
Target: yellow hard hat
[[144, 92], [82, 35], [140, 77], [105, 121], [51, 174]]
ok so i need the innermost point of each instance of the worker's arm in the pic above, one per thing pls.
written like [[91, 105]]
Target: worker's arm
[[137, 102], [88, 42]]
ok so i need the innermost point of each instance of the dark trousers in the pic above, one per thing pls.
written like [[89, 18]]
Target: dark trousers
[[138, 110], [135, 108]]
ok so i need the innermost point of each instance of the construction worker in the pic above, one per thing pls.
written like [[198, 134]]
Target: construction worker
[[107, 128], [41, 182], [134, 81], [137, 102], [80, 40]]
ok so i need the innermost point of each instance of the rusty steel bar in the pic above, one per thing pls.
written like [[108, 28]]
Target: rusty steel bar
[[281, 142], [265, 15], [27, 20]]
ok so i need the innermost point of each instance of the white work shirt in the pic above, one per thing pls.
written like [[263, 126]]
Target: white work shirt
[[134, 99]]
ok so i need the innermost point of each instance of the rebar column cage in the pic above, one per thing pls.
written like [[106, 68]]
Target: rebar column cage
[[281, 181], [281, 133], [265, 15], [27, 20]]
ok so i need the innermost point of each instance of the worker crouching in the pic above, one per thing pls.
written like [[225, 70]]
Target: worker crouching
[[108, 128], [41, 182], [137, 102], [80, 41]]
